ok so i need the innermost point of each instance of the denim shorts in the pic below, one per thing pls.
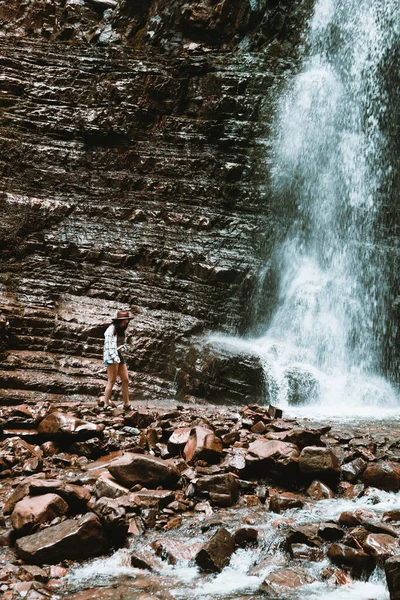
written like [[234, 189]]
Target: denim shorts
[[108, 363]]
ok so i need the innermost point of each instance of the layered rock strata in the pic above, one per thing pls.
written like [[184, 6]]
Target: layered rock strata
[[132, 155]]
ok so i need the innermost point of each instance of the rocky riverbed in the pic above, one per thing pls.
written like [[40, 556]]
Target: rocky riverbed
[[163, 502]]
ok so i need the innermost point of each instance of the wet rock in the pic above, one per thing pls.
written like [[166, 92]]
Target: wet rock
[[272, 458], [76, 496], [223, 489], [318, 490], [175, 551], [383, 475], [340, 554], [139, 418], [380, 545], [92, 448], [107, 486], [216, 553], [330, 532], [246, 536], [32, 573], [319, 462], [283, 501], [305, 552], [178, 440], [218, 373], [153, 498], [31, 511], [353, 469], [72, 539], [305, 534], [145, 559], [62, 426], [113, 518], [392, 572], [337, 576], [299, 436], [202, 444], [367, 519], [149, 471], [281, 581]]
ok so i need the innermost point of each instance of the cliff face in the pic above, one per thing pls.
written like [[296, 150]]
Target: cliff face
[[133, 140]]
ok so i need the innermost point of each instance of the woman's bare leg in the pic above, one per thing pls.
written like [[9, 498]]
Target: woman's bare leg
[[123, 375], [112, 371]]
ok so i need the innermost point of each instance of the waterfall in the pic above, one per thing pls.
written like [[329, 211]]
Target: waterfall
[[324, 341]]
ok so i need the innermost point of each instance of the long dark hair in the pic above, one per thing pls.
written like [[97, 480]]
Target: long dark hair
[[117, 328]]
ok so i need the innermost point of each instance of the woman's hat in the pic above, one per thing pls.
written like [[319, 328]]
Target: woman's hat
[[123, 315]]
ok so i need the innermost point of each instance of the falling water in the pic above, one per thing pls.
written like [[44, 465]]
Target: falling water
[[324, 341]]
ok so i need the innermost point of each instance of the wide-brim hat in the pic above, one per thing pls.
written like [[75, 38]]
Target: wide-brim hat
[[123, 315]]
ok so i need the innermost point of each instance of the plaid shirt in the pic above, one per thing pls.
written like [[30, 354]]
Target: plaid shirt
[[110, 345]]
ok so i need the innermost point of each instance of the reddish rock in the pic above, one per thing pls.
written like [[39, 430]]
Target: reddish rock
[[113, 518], [246, 536], [222, 489], [319, 490], [106, 486], [178, 440], [76, 496], [392, 572], [319, 462], [344, 555], [202, 444], [380, 545], [383, 475], [175, 551], [272, 458], [283, 501], [305, 534], [149, 471], [153, 498], [72, 539], [353, 469], [283, 580], [139, 418], [32, 511], [330, 532], [216, 553], [305, 552], [58, 425]]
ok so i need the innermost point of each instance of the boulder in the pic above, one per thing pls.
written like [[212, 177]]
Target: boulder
[[31, 511], [202, 444], [178, 440], [305, 534], [216, 553], [380, 545], [222, 489], [283, 501], [305, 552], [383, 475], [149, 471], [62, 426], [318, 490], [353, 469], [319, 462], [282, 581], [272, 458], [174, 551], [113, 518], [341, 555], [72, 539], [392, 572], [246, 536], [76, 496], [330, 532], [153, 498], [106, 486]]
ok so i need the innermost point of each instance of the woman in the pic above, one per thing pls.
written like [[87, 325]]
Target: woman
[[114, 339]]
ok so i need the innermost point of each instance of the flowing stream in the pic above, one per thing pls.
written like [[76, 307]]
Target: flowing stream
[[324, 342]]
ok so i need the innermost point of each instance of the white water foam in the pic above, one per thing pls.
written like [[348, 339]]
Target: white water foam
[[323, 345]]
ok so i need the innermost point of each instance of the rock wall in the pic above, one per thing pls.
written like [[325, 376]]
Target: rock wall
[[133, 142]]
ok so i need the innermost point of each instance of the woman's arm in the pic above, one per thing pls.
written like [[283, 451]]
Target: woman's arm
[[110, 347]]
